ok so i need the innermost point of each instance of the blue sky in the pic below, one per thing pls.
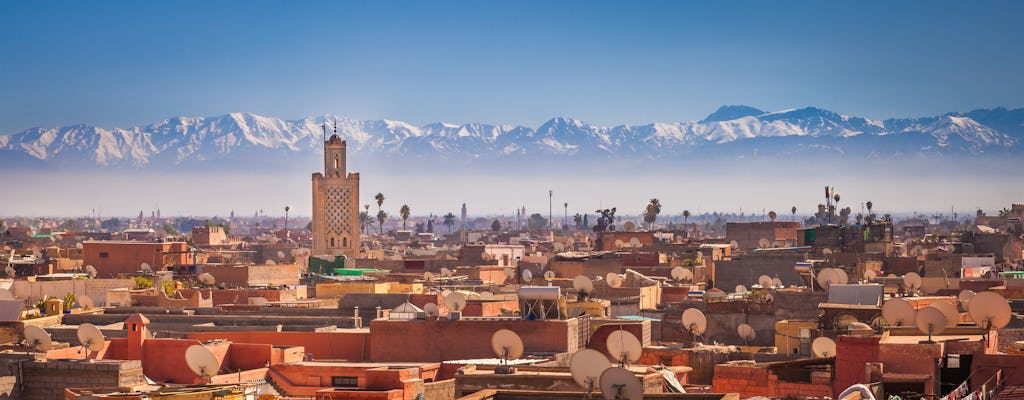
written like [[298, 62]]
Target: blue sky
[[125, 63]]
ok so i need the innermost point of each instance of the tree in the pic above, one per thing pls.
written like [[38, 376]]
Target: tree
[[793, 212], [605, 220], [650, 214], [536, 222], [686, 217], [380, 202], [365, 221], [112, 224], [169, 229], [286, 209], [1005, 212], [449, 221], [381, 217], [404, 213], [496, 225], [309, 226], [578, 220]]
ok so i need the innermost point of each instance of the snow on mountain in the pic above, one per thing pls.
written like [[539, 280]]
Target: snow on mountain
[[250, 138]]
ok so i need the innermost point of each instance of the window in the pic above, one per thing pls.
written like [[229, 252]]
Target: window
[[344, 381], [344, 242], [337, 162], [332, 243], [104, 254]]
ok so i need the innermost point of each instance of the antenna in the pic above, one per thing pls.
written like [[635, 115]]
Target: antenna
[[202, 361], [823, 347], [207, 279], [506, 345], [930, 320], [431, 310], [527, 276], [898, 312], [989, 310], [617, 383], [91, 271], [586, 367], [624, 347], [695, 322], [37, 338], [765, 281], [85, 302], [549, 275], [826, 277], [681, 274], [746, 333], [91, 337]]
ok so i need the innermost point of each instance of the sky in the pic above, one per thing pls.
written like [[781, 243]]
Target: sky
[[126, 63]]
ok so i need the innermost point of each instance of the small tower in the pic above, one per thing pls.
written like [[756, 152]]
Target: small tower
[[136, 325]]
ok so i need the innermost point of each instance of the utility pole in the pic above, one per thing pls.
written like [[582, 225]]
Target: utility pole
[[551, 193]]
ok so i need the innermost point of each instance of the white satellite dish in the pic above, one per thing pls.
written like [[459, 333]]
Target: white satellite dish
[[583, 284], [965, 297], [634, 242], [623, 347], [740, 289], [91, 337], [898, 312], [85, 302], [527, 275], [826, 277], [776, 282], [455, 301], [620, 244], [428, 276], [931, 321], [764, 243], [912, 281], [826, 251], [746, 332], [586, 367], [842, 276], [619, 384], [6, 295], [144, 267], [280, 255], [948, 310], [446, 272], [823, 347], [989, 310], [681, 274], [431, 309], [201, 361], [37, 338], [734, 244], [549, 275], [615, 280], [91, 271], [207, 279], [694, 321], [765, 281], [507, 345]]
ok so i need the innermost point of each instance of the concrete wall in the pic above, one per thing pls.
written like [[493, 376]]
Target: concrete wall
[[746, 269], [94, 288], [339, 345], [48, 380], [281, 274], [438, 340]]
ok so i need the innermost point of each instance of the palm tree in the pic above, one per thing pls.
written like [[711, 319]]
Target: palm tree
[[449, 220], [651, 212], [793, 211], [686, 217], [365, 220], [286, 209], [404, 213], [578, 219], [381, 217]]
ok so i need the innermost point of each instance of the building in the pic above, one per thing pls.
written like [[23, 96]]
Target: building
[[335, 203], [113, 257], [749, 235]]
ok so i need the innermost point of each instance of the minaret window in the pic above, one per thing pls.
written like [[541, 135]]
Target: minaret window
[[344, 242], [332, 242], [337, 163]]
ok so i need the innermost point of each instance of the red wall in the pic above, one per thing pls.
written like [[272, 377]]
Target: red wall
[[439, 340], [852, 353], [345, 345]]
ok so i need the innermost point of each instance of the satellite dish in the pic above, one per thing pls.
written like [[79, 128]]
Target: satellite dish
[[948, 310], [826, 277], [506, 345], [746, 332], [280, 254], [85, 302], [842, 276], [527, 275], [37, 338], [207, 279], [586, 367], [870, 275], [912, 281], [777, 282], [965, 297], [583, 284], [78, 245], [734, 244], [772, 215], [931, 321], [681, 274], [619, 243], [623, 347], [446, 272], [91, 271], [549, 275], [827, 252], [455, 301], [10, 271], [201, 361], [858, 328], [270, 262], [91, 337], [898, 312], [619, 384], [6, 295], [428, 276], [764, 243], [431, 310], [144, 267], [740, 289], [509, 272], [823, 347], [694, 321], [614, 280], [765, 281], [989, 310], [634, 242]]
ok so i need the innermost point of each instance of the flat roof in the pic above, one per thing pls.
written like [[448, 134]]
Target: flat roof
[[893, 339]]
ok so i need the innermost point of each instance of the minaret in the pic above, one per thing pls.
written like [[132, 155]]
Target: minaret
[[336, 202]]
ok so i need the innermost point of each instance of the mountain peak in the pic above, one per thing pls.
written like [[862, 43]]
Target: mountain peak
[[729, 113]]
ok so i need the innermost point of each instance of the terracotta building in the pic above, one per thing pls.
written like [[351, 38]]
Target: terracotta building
[[112, 257], [335, 203]]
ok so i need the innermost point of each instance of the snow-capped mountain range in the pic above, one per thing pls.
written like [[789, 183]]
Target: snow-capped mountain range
[[247, 140]]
